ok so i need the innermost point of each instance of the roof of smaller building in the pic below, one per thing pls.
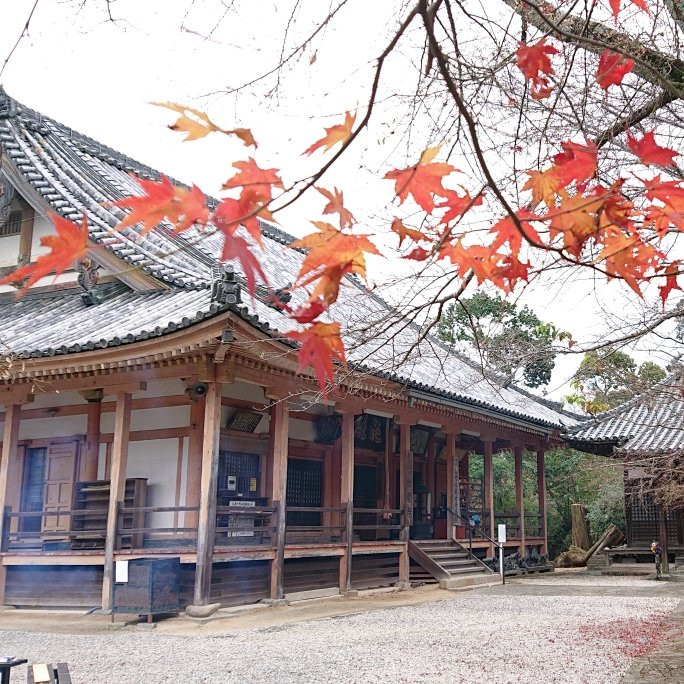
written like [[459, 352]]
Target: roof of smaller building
[[652, 423]]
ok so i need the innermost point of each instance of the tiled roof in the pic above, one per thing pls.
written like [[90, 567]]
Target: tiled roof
[[650, 423], [75, 173]]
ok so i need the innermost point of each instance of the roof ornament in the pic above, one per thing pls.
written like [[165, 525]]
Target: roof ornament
[[88, 278], [8, 107], [7, 193], [224, 287]]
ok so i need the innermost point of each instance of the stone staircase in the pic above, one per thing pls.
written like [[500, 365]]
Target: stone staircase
[[446, 562]]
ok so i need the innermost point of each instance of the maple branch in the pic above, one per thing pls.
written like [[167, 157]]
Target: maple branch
[[470, 122], [23, 33], [662, 99], [364, 122], [652, 65]]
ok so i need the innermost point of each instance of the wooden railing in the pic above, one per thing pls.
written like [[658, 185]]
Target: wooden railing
[[249, 526], [86, 528], [133, 530], [370, 524], [327, 524]]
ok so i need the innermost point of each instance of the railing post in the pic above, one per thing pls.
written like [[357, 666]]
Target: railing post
[[278, 563], [347, 497], [5, 528]]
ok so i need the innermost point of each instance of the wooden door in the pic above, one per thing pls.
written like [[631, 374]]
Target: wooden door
[[60, 470]]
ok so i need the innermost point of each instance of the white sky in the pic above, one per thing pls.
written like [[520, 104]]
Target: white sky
[[99, 78]]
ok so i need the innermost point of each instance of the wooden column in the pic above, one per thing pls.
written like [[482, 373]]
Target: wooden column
[[452, 482], [347, 498], [488, 497], [206, 526], [429, 480], [664, 548], [9, 447], [406, 489], [91, 452], [520, 496], [193, 480], [117, 487], [541, 489], [278, 445]]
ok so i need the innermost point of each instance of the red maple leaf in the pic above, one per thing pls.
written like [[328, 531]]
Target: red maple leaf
[[335, 205], [615, 6], [236, 247], [612, 68], [649, 152], [535, 63], [311, 311], [231, 213], [335, 134], [576, 163], [422, 181], [507, 232], [671, 283], [163, 200], [69, 244], [321, 346]]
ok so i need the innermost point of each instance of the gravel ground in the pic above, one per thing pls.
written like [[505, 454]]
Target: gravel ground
[[474, 637], [595, 581]]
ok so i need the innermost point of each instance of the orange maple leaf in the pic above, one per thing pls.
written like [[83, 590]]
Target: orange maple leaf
[[332, 248], [545, 185], [163, 200], [403, 232], [245, 211], [320, 346], [68, 245], [260, 181], [339, 133], [422, 181], [535, 63], [507, 232], [649, 152], [457, 205], [196, 124], [612, 68], [335, 205]]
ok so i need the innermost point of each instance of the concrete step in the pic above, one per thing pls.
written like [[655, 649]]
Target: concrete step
[[468, 581]]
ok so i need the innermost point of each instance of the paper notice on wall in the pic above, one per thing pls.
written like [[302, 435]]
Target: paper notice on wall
[[121, 571]]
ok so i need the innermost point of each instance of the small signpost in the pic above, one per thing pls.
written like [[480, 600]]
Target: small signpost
[[502, 540]]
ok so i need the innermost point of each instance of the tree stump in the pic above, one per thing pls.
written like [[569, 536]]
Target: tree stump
[[580, 527]]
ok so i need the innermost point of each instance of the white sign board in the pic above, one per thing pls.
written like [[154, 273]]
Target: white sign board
[[121, 571], [502, 534]]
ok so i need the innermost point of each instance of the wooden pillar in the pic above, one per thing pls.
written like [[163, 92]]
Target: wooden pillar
[[541, 489], [278, 446], [489, 486], [206, 526], [9, 447], [347, 497], [429, 480], [406, 489], [520, 496], [193, 481], [91, 453], [452, 483], [664, 549], [117, 487]]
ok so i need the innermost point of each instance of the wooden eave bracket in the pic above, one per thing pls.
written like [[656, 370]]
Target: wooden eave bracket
[[11, 395]]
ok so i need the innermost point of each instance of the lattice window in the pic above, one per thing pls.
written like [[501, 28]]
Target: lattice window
[[13, 225], [245, 468], [304, 488]]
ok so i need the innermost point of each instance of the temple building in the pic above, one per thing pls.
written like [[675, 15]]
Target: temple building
[[647, 435], [152, 409]]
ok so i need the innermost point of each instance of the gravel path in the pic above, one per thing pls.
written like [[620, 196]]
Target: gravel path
[[474, 637]]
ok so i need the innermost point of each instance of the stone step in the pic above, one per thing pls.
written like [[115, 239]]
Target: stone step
[[468, 581]]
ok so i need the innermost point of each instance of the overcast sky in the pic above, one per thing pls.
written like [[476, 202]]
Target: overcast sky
[[99, 77]]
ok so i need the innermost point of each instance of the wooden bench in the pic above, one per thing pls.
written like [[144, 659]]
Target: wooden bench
[[46, 673]]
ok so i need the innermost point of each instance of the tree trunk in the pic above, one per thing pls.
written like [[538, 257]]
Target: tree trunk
[[611, 537], [580, 527]]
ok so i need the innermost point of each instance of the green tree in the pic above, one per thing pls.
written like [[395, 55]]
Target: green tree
[[512, 340], [608, 377]]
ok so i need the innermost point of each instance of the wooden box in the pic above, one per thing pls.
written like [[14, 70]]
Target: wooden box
[[152, 587]]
